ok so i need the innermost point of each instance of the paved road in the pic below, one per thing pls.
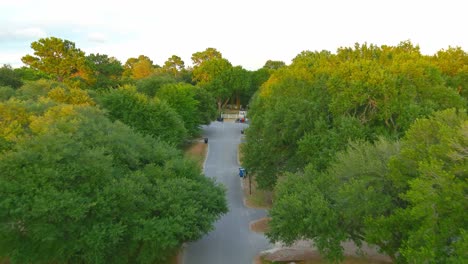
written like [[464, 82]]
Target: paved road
[[231, 242]]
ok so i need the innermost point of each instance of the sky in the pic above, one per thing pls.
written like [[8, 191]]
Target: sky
[[246, 32]]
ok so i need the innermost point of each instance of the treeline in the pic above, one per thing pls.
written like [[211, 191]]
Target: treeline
[[90, 166], [367, 145]]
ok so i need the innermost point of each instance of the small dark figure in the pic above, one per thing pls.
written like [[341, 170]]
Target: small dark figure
[[206, 140]]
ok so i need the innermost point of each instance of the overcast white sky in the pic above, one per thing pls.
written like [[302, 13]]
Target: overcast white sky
[[246, 32]]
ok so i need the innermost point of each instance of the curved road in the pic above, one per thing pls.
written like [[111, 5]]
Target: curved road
[[231, 242]]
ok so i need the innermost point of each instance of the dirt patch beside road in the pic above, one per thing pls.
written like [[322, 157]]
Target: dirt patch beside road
[[261, 225]]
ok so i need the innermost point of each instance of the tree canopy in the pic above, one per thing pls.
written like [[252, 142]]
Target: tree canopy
[[84, 189], [366, 145], [150, 116], [57, 57], [77, 186]]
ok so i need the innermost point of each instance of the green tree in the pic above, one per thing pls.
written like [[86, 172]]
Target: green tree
[[33, 90], [307, 111], [287, 107], [84, 189], [408, 198], [105, 71], [181, 97], [151, 85], [148, 116], [29, 74], [174, 66], [241, 82], [274, 65], [215, 75], [430, 174], [6, 92], [210, 53], [57, 57], [9, 77], [206, 105], [334, 206]]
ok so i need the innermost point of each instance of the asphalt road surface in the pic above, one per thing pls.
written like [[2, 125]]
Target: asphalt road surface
[[231, 242]]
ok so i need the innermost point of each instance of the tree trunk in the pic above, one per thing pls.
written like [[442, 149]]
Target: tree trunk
[[220, 104]]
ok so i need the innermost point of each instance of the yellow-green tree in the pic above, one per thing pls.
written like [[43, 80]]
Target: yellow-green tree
[[57, 57], [138, 68], [174, 66]]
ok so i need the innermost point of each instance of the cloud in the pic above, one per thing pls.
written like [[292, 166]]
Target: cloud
[[22, 34], [97, 37]]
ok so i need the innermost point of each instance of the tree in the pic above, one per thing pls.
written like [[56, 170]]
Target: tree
[[33, 90], [9, 77], [29, 74], [430, 174], [57, 57], [151, 85], [105, 71], [174, 66], [215, 75], [333, 207], [241, 82], [274, 65], [72, 96], [6, 92], [181, 98], [453, 63], [283, 111], [407, 198], [138, 68], [84, 189], [206, 106], [307, 111], [148, 116], [210, 53]]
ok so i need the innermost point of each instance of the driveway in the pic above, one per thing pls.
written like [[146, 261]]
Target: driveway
[[231, 242]]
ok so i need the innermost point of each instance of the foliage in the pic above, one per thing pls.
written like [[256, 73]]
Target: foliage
[[9, 77], [214, 76], [84, 189], [72, 96], [6, 92], [105, 71], [453, 63], [174, 66], [332, 207], [181, 98], [138, 68], [149, 116], [430, 173], [210, 53], [206, 106], [274, 65], [28, 74], [307, 112], [410, 201], [150, 85], [57, 57], [32, 90]]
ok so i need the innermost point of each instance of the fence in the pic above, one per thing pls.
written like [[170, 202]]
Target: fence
[[232, 116]]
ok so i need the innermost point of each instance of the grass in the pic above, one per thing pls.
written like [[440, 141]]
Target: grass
[[257, 198], [196, 151], [318, 260]]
